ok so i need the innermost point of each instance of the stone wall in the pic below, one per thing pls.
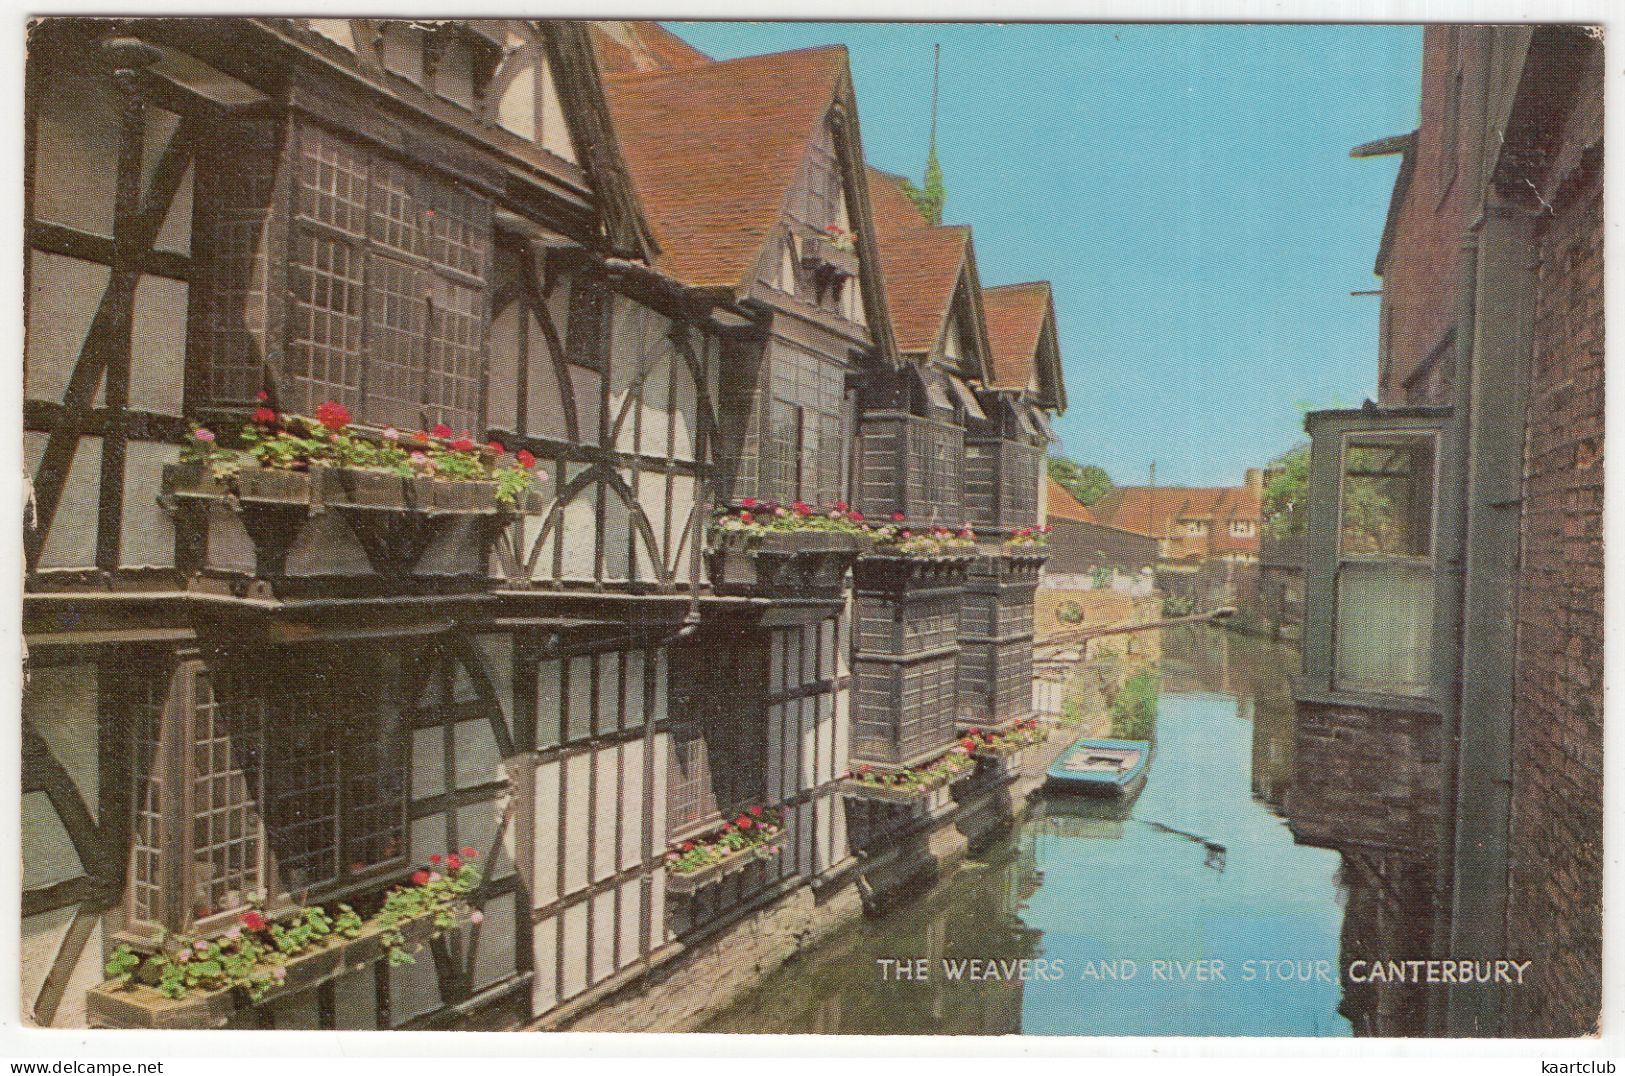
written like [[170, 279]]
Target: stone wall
[[1366, 777], [1555, 902]]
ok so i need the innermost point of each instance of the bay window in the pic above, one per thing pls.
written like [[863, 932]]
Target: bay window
[[1373, 540]]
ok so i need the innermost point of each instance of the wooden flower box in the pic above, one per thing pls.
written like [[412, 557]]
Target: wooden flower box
[[896, 574], [137, 1005], [810, 564], [683, 885], [333, 523], [900, 794], [1012, 565]]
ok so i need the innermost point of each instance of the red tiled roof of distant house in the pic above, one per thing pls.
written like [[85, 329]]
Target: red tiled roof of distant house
[[1157, 510], [1015, 322], [714, 149], [1062, 505], [641, 45]]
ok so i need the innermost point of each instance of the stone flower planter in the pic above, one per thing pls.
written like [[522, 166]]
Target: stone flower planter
[[136, 1005], [809, 564], [684, 885]]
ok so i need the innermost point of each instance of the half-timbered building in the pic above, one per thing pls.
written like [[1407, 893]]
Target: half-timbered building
[[658, 275]]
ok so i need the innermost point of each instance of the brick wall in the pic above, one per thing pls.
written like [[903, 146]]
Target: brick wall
[[1555, 904], [1366, 777]]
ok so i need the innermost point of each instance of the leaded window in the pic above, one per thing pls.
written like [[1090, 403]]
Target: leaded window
[[386, 285], [246, 787], [718, 758], [802, 440]]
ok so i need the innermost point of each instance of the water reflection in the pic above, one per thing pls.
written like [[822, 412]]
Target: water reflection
[[1185, 910]]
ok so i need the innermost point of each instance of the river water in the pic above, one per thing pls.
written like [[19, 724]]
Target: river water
[[1187, 910]]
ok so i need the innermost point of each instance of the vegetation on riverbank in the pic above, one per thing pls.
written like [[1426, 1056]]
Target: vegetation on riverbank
[[1134, 707]]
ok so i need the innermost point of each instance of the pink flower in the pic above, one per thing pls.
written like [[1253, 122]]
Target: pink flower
[[183, 956], [201, 946], [391, 433], [279, 974], [234, 933], [778, 510], [434, 876], [334, 415], [476, 917], [204, 434]]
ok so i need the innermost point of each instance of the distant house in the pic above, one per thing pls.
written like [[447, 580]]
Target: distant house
[[1191, 524], [1082, 546]]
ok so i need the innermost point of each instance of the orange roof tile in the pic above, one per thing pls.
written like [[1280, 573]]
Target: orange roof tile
[[1015, 322], [892, 207], [641, 45], [1062, 505], [714, 149], [922, 269], [1154, 510]]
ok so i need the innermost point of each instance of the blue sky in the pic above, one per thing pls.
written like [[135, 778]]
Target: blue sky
[[1187, 189]]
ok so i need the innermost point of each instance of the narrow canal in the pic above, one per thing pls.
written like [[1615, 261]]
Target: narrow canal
[[1131, 907]]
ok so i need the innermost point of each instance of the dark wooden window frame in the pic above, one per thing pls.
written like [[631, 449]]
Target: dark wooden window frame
[[252, 784]]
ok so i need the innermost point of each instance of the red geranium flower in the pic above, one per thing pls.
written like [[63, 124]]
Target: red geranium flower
[[262, 396], [264, 414], [462, 444], [496, 446], [357, 868], [749, 502], [801, 508], [897, 517], [252, 920], [420, 437], [470, 853], [526, 459], [742, 822], [745, 517], [454, 863], [420, 877], [756, 812], [857, 516], [435, 858], [334, 415], [839, 506], [727, 827], [441, 430], [688, 846]]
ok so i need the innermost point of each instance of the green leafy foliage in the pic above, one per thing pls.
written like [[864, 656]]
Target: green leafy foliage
[[1134, 707], [1286, 495], [926, 775], [751, 833], [1086, 482], [253, 954]]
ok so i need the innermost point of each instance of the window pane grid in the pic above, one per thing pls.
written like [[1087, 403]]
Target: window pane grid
[[228, 744], [397, 314], [146, 706], [325, 352]]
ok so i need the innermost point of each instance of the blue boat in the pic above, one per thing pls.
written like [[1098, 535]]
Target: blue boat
[[1099, 767]]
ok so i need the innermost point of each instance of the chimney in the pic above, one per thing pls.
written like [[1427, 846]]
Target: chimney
[[1255, 481]]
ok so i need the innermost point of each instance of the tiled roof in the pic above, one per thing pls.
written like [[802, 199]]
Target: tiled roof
[[641, 45], [921, 263], [892, 207], [1015, 322], [1155, 510], [922, 267], [1062, 505], [714, 149]]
